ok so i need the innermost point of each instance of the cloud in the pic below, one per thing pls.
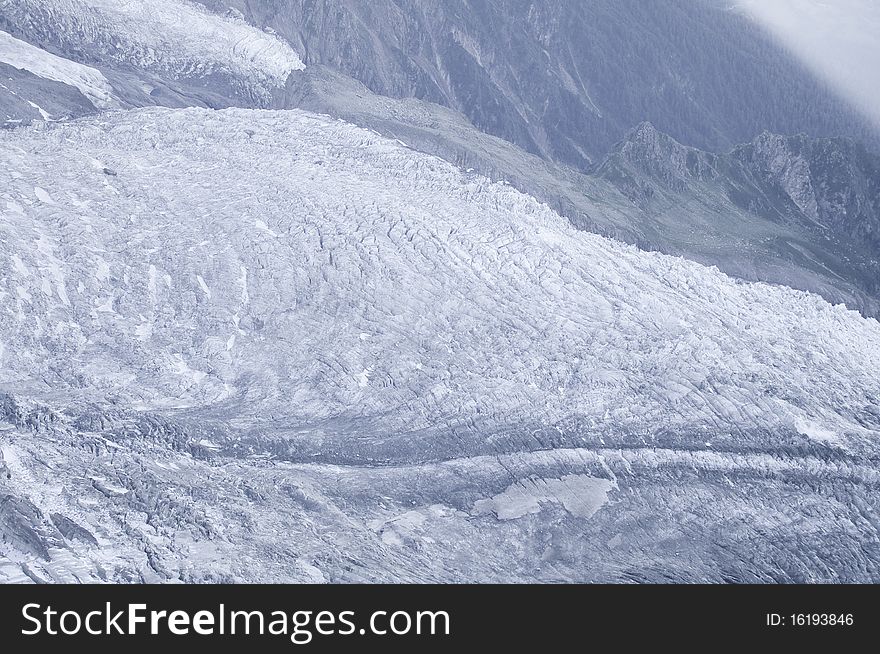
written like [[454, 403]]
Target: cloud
[[838, 39]]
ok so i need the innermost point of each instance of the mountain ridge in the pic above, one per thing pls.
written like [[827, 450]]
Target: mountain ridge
[[565, 79]]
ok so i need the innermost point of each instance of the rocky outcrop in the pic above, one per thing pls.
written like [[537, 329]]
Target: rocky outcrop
[[822, 195], [566, 79], [834, 183], [23, 526], [647, 156]]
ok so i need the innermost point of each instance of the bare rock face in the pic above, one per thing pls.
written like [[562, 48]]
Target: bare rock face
[[773, 159], [833, 182], [566, 79], [829, 184], [72, 531], [650, 156], [24, 528], [821, 195], [28, 97]]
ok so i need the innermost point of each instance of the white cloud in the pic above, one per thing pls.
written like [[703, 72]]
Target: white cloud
[[838, 39]]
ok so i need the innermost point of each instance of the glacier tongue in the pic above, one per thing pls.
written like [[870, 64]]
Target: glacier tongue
[[172, 37], [399, 338], [368, 280]]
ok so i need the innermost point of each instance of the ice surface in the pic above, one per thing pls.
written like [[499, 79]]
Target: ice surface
[[90, 81], [292, 349], [177, 37], [582, 496], [509, 311]]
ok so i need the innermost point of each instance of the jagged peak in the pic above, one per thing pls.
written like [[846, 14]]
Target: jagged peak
[[799, 141], [644, 129], [661, 157], [646, 140], [646, 133]]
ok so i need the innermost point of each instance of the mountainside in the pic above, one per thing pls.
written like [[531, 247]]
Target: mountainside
[[345, 291], [644, 193], [807, 207], [829, 185], [566, 79], [216, 369], [835, 183]]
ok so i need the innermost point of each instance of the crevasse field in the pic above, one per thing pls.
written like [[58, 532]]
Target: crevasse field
[[272, 346]]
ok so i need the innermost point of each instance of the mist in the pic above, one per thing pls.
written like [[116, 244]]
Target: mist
[[838, 39]]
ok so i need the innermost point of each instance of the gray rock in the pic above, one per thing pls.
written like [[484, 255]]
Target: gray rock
[[566, 79], [22, 526], [72, 531]]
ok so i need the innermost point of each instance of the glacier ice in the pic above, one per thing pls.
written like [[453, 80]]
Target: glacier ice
[[89, 81], [178, 38], [275, 346]]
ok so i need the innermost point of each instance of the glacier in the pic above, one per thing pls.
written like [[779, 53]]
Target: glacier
[[176, 39], [89, 81], [273, 346], [813, 227]]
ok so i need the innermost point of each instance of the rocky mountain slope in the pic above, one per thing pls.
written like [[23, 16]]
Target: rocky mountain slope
[[566, 79], [829, 185], [793, 210]]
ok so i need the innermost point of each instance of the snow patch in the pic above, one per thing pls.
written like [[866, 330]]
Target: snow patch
[[580, 495], [817, 432], [19, 266], [144, 331], [43, 195], [45, 114], [364, 377], [204, 286], [89, 81], [260, 224], [182, 368]]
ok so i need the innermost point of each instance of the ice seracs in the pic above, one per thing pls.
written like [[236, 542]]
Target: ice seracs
[[419, 375], [510, 314], [175, 38]]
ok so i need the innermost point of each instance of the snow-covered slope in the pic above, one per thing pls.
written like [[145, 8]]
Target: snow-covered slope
[[140, 49], [440, 368], [89, 81], [372, 281], [177, 39]]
